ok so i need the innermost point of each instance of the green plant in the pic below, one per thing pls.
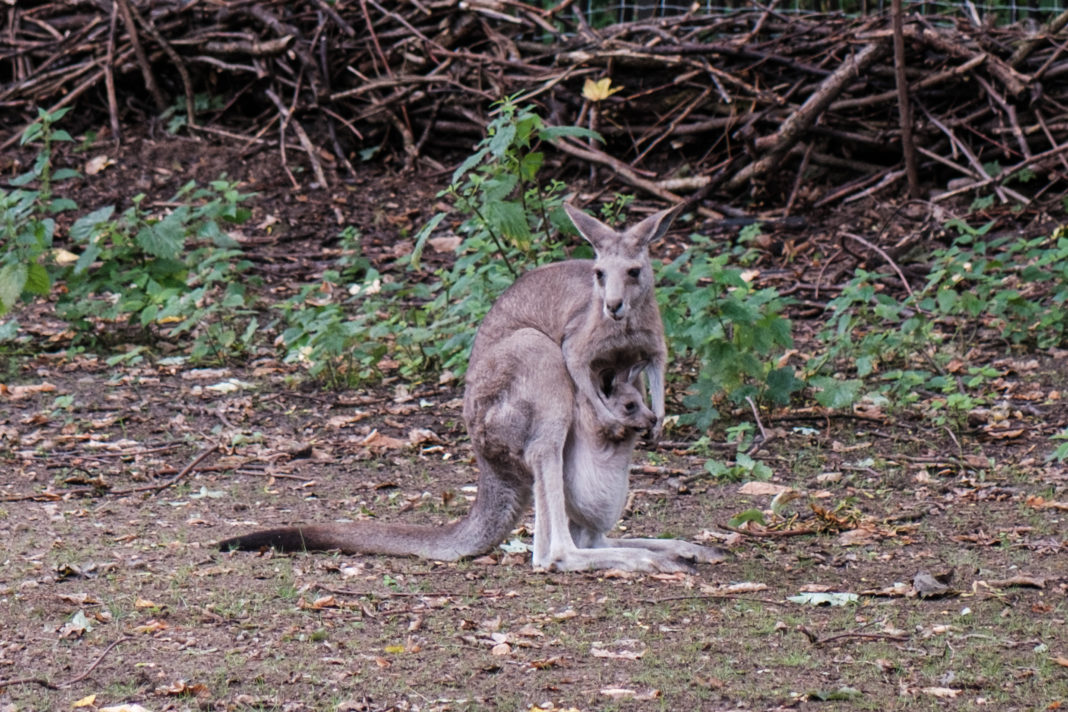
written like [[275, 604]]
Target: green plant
[[337, 347], [170, 274], [510, 223], [27, 229], [167, 273], [731, 330], [1014, 287], [1060, 453], [744, 468]]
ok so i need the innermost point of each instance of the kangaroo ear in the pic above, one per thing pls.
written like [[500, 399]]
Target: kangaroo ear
[[636, 370], [607, 379], [653, 227], [596, 232]]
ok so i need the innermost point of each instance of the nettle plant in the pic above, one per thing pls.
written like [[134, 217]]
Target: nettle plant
[[511, 220], [168, 273], [730, 331], [899, 350], [27, 228]]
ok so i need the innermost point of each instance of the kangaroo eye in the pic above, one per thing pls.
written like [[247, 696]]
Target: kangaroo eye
[[630, 407], [634, 272], [599, 274]]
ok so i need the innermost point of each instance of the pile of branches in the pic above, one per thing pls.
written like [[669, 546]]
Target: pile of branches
[[798, 110]]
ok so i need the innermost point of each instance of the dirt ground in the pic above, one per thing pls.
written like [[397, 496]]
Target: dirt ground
[[118, 480]]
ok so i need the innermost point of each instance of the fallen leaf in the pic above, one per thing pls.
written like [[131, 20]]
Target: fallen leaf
[[824, 599], [145, 603], [598, 90], [762, 488], [941, 692], [547, 663], [97, 163], [377, 441], [64, 257], [733, 588], [1062, 661], [86, 701], [617, 654], [445, 244], [230, 385], [418, 436], [181, 688], [78, 599], [153, 626], [19, 392], [1036, 502], [623, 693], [856, 537], [78, 625], [928, 585]]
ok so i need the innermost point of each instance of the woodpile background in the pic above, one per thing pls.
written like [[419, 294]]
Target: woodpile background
[[793, 110]]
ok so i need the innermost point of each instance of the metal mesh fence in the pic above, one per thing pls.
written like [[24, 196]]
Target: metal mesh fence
[[603, 12]]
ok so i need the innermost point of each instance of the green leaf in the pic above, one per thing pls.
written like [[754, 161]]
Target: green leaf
[[37, 280], [530, 165], [552, 133], [501, 140], [421, 238], [9, 330], [88, 225], [60, 205], [749, 515], [508, 218], [87, 258], [473, 160], [32, 133], [12, 281], [782, 384], [66, 174], [164, 239], [834, 393]]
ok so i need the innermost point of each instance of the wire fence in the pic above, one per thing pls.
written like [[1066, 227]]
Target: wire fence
[[604, 12]]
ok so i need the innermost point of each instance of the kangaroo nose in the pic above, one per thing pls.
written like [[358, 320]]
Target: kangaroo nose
[[615, 309]]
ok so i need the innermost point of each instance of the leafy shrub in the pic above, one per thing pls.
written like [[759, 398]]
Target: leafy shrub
[[27, 229], [511, 224], [901, 349], [733, 332], [165, 273]]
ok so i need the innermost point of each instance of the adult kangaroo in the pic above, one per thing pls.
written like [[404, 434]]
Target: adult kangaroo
[[554, 406]]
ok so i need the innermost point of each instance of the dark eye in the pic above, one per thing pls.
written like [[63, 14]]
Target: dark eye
[[599, 274], [630, 407], [634, 272]]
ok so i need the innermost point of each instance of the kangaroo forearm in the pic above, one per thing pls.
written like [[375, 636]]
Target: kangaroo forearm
[[654, 376]]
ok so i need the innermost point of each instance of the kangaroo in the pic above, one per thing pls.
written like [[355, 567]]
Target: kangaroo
[[521, 412], [553, 407], [602, 312]]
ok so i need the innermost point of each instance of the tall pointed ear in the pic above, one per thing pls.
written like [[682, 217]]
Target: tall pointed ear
[[634, 372], [596, 232], [653, 227]]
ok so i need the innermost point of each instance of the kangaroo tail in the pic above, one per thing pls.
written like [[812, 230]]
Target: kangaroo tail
[[496, 510]]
